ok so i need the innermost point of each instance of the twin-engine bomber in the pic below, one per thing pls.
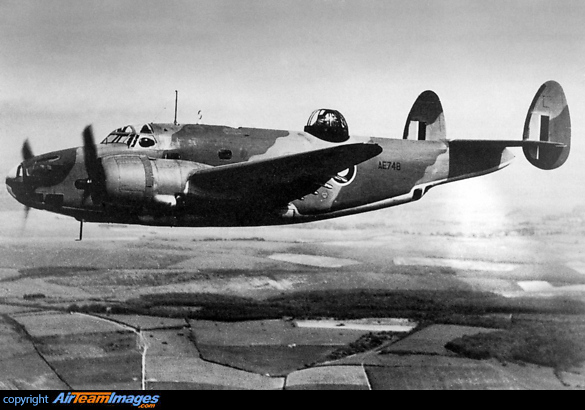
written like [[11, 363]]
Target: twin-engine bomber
[[196, 175]]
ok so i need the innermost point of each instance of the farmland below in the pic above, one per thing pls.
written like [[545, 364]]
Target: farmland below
[[499, 304]]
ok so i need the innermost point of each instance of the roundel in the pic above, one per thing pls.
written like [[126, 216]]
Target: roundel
[[346, 176]]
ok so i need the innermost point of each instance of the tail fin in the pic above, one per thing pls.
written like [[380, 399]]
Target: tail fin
[[548, 121], [427, 111]]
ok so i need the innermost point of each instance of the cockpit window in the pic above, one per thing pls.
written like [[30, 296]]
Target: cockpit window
[[120, 135], [146, 129], [127, 135]]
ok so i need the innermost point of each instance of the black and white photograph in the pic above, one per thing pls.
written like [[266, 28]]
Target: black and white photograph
[[290, 195]]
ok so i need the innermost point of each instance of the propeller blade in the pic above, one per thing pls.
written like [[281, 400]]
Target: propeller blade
[[93, 165], [24, 219], [26, 151], [90, 153]]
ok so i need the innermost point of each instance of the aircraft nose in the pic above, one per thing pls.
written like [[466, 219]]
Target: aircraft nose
[[11, 180]]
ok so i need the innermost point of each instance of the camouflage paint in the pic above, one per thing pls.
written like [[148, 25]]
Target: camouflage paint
[[402, 166], [156, 185]]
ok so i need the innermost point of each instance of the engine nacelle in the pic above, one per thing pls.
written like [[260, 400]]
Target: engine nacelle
[[137, 179]]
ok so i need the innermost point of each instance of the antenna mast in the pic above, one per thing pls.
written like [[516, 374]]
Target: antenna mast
[[176, 102]]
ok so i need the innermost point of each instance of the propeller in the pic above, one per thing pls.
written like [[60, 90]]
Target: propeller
[[26, 151], [27, 154], [95, 183], [24, 220]]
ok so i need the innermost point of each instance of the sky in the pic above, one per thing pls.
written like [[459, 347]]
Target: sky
[[265, 63]]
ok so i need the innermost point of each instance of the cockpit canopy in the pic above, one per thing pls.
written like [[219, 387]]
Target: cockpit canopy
[[328, 125], [129, 136]]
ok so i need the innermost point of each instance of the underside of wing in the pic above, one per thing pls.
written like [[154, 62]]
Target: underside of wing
[[275, 181]]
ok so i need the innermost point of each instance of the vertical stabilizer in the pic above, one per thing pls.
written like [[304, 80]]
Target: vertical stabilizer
[[426, 120], [548, 120]]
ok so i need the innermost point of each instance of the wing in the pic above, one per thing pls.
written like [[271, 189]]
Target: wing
[[275, 181]]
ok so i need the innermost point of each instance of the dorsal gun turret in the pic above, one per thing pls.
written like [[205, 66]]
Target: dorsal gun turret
[[328, 125]]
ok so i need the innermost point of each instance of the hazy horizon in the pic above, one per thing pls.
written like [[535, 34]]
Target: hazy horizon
[[267, 64]]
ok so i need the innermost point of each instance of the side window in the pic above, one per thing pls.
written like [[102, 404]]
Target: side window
[[224, 154], [146, 142]]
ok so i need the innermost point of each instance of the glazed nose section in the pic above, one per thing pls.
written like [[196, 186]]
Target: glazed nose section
[[13, 181]]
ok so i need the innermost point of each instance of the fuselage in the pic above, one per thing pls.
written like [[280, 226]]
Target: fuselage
[[402, 173], [212, 175]]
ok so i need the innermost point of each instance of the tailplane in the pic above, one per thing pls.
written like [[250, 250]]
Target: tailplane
[[547, 131]]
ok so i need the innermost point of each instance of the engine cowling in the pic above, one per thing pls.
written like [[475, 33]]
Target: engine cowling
[[138, 179]]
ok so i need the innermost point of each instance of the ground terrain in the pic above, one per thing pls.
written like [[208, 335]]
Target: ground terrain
[[300, 307]]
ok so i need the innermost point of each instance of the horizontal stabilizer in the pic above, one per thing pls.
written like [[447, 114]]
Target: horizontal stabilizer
[[509, 143]]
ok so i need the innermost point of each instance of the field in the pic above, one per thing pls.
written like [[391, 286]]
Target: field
[[304, 307]]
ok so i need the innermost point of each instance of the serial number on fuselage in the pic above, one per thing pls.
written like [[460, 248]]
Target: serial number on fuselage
[[390, 165]]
